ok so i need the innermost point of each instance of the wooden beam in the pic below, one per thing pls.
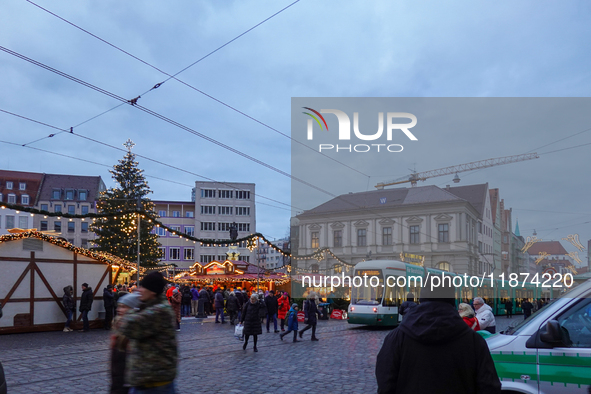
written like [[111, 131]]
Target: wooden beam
[[56, 299], [32, 290], [16, 285]]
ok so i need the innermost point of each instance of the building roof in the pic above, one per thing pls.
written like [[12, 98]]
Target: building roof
[[401, 197], [550, 247], [174, 202], [33, 181], [94, 185]]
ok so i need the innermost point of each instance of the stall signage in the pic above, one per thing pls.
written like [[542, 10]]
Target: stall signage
[[215, 270], [410, 258]]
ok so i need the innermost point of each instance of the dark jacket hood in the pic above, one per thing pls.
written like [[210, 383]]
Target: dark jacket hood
[[433, 322]]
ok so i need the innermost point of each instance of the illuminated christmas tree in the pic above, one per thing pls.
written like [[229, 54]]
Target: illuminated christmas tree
[[118, 235]]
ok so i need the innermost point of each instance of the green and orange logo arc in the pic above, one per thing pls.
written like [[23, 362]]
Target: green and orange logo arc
[[315, 118]]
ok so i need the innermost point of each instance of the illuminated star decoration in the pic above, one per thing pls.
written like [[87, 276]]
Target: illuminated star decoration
[[129, 144], [542, 256], [529, 243], [574, 239], [251, 244], [574, 256], [319, 255]]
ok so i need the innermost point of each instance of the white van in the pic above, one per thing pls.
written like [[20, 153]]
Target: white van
[[551, 351]]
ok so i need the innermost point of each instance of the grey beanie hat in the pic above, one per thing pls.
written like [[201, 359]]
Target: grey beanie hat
[[294, 305], [132, 300]]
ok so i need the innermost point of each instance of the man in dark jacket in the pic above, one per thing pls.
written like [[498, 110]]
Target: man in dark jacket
[[109, 303], [202, 303], [434, 351], [509, 308], [527, 307], [232, 307], [210, 302], [271, 304], [310, 313], [219, 306], [85, 305], [408, 304], [69, 306]]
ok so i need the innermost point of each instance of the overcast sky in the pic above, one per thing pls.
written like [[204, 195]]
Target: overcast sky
[[312, 49]]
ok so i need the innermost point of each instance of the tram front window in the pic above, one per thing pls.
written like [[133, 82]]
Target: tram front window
[[367, 295]]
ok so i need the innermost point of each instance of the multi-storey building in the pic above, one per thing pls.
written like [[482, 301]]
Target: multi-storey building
[[551, 254], [73, 194], [180, 216], [20, 188], [269, 258], [452, 228]]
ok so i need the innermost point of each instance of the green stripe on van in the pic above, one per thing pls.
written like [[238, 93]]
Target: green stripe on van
[[514, 357], [566, 360], [565, 374], [512, 370]]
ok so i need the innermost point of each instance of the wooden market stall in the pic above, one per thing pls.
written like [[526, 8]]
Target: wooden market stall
[[34, 269]]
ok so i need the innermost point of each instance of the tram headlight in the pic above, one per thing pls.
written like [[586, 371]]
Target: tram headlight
[[352, 308], [375, 310]]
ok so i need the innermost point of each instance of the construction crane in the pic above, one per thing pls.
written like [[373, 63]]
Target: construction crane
[[475, 165]]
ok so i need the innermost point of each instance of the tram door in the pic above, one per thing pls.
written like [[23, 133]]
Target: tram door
[[393, 298]]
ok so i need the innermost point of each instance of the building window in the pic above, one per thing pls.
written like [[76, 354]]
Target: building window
[[223, 226], [9, 222], [189, 253], [12, 198], [314, 268], [56, 194], [85, 209], [174, 253], [0, 197], [479, 247], [71, 227], [24, 199], [44, 207], [82, 195], [84, 243], [206, 258], [176, 214], [414, 235], [245, 258], [443, 233], [9, 185], [387, 236], [207, 226], [177, 229], [160, 231], [69, 194], [162, 253], [22, 186], [84, 227], [43, 225], [243, 226], [190, 231], [208, 210], [189, 214], [361, 237], [338, 238], [444, 266], [162, 214], [23, 222], [72, 209], [207, 193], [505, 239], [225, 210], [243, 195], [57, 208], [226, 193], [57, 226], [243, 211], [480, 227], [315, 240]]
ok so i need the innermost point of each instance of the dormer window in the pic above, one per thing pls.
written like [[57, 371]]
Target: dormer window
[[22, 186], [69, 194], [82, 195], [56, 194], [24, 199], [12, 198], [9, 185]]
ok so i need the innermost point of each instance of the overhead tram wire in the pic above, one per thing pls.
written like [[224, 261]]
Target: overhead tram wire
[[138, 155], [173, 76], [167, 120]]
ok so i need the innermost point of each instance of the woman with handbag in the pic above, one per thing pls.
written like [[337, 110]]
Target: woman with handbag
[[251, 320]]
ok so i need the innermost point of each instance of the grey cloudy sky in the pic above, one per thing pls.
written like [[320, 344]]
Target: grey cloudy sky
[[313, 49]]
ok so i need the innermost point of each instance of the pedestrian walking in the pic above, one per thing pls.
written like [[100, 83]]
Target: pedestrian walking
[[210, 302], [219, 306], [203, 298], [119, 343], [109, 304], [272, 307], [509, 308], [251, 320], [484, 314], [310, 315], [292, 323], [175, 302], [469, 317], [186, 301], [194, 300], [152, 359], [283, 309], [434, 351], [408, 304], [69, 306], [232, 307], [85, 305], [527, 308]]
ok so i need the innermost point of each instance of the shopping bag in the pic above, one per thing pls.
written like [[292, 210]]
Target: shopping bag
[[301, 317], [336, 314], [238, 330]]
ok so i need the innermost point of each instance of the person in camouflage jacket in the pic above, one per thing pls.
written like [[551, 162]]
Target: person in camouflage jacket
[[152, 362]]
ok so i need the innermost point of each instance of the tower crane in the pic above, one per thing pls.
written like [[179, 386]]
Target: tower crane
[[475, 165]]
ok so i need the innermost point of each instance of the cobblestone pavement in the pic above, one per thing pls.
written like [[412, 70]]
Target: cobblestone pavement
[[211, 360]]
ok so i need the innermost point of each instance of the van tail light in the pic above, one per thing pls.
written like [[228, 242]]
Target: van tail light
[[375, 310], [352, 308]]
